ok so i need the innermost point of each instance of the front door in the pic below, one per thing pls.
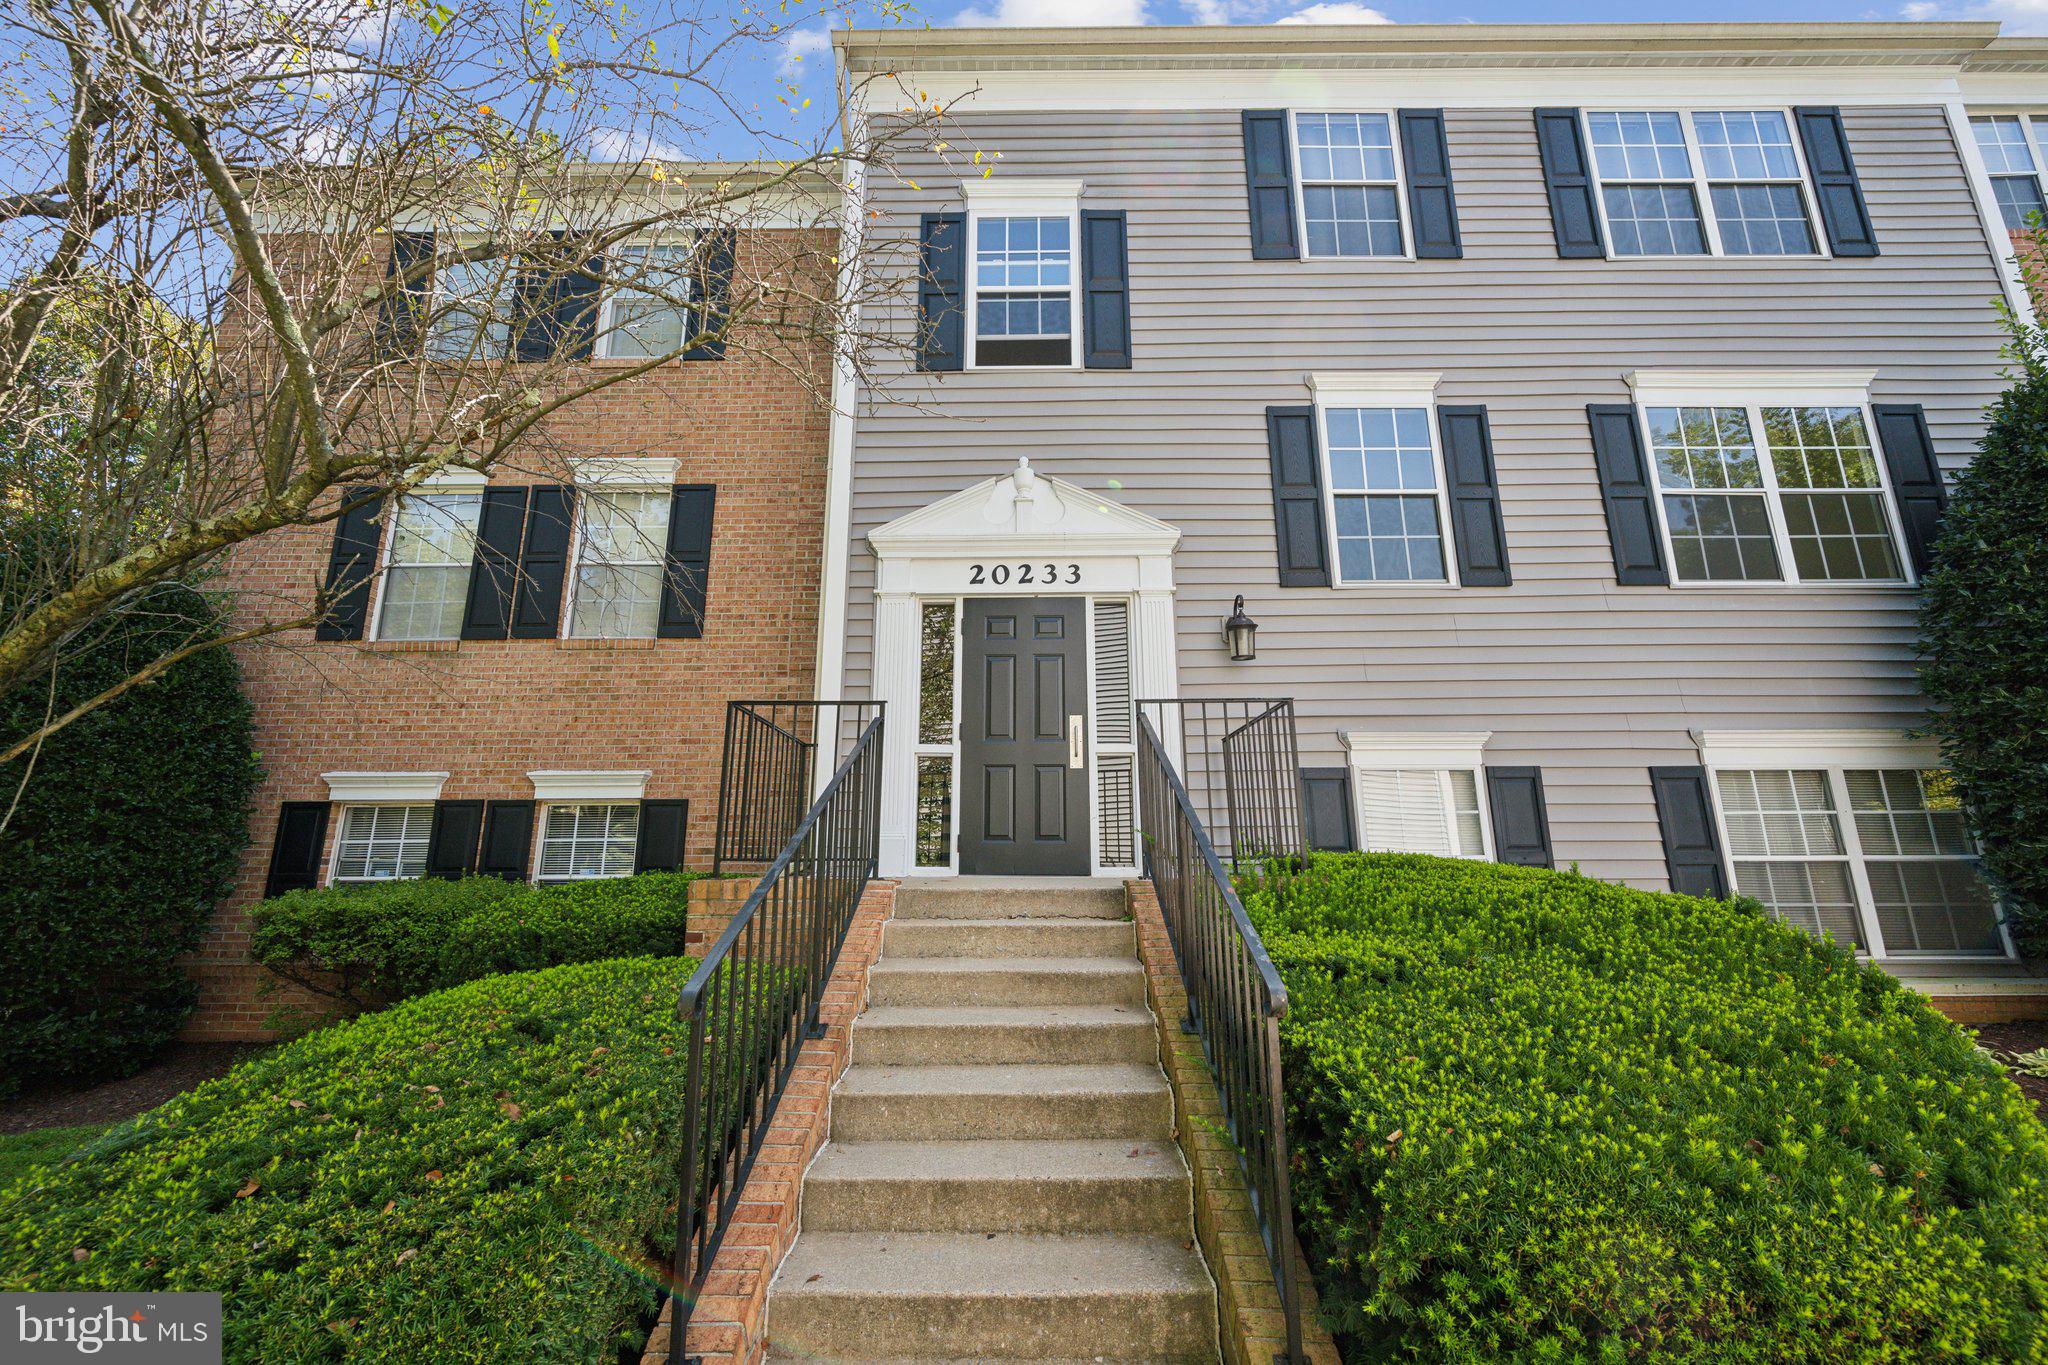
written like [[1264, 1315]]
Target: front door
[[1023, 746]]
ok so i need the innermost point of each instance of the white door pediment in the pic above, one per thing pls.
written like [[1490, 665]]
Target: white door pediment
[[1023, 512]]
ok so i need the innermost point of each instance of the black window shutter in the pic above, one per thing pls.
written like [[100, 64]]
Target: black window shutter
[[717, 256], [301, 840], [507, 844], [1692, 849], [662, 824], [543, 563], [1521, 823], [1105, 292], [1835, 186], [494, 572], [1916, 476], [941, 291], [1568, 177], [351, 564], [452, 839], [689, 561], [1269, 179], [1475, 497], [558, 305], [1626, 489], [1298, 497], [1326, 809], [399, 312], [1432, 203]]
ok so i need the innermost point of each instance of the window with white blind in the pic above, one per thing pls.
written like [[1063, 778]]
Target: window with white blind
[[621, 555], [1898, 878], [382, 842], [426, 573], [589, 839], [1421, 810]]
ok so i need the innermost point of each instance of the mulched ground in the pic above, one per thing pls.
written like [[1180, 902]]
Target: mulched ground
[[2012, 1038], [180, 1068]]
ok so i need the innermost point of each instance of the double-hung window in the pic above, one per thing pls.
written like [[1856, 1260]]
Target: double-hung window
[[1387, 511], [1420, 793], [1023, 289], [621, 555], [1350, 178], [648, 314], [2010, 147], [382, 842], [1771, 492], [473, 311], [586, 839], [426, 573], [1701, 182]]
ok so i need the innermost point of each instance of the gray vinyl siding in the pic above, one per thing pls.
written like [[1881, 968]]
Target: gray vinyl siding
[[1591, 681]]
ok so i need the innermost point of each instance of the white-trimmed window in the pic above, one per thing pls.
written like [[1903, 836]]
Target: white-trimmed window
[[1384, 475], [1701, 182], [473, 310], [427, 563], [1420, 793], [654, 318], [1023, 273], [1857, 836], [2010, 146], [383, 842], [1779, 485], [1349, 172], [621, 556], [581, 840]]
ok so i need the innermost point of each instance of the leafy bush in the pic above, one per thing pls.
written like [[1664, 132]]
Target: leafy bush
[[130, 827], [384, 941], [1984, 640], [469, 1174], [1539, 1117]]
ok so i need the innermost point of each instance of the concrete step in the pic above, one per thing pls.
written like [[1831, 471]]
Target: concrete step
[[1010, 898], [1036, 937], [1124, 1187], [969, 1035], [1006, 981], [842, 1295], [966, 1103]]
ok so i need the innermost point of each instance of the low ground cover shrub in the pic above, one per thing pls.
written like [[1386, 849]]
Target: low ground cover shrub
[[385, 941], [473, 1175], [1540, 1117]]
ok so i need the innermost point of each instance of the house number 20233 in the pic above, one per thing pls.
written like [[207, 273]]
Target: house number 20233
[[1002, 575]]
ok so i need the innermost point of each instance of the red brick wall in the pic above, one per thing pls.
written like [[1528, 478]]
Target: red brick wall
[[488, 712]]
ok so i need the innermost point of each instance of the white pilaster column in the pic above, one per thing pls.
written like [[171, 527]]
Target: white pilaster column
[[895, 682], [1157, 668]]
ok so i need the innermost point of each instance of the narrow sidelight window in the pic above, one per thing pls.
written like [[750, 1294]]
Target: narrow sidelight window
[[648, 314], [620, 556], [1023, 290], [2007, 144], [382, 843], [1350, 184], [426, 579], [937, 670], [1386, 495], [589, 839], [1702, 182]]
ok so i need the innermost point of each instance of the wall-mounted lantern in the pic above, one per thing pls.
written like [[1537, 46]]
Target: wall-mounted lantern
[[1241, 633]]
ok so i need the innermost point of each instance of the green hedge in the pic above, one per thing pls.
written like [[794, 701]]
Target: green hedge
[[1539, 1117], [474, 1175], [384, 941]]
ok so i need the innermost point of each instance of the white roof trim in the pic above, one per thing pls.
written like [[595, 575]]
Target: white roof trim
[[571, 784], [624, 471], [1343, 387], [1823, 748], [1000, 193], [1416, 748], [361, 787], [1846, 387]]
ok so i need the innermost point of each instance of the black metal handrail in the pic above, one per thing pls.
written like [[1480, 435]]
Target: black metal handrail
[[1235, 1001], [1241, 766], [753, 1001], [768, 774]]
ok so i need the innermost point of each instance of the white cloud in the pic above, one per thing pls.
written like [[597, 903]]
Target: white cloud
[[1054, 14], [1336, 12], [2018, 16], [623, 145], [803, 52], [1226, 11]]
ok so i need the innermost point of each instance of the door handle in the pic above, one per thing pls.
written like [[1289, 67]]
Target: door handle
[[1077, 742]]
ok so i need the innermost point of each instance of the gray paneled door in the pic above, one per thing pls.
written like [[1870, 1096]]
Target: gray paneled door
[[1023, 755]]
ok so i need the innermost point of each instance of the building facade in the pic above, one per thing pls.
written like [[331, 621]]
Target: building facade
[[1569, 406]]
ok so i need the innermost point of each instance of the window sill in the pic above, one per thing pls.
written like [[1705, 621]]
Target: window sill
[[578, 642], [409, 646]]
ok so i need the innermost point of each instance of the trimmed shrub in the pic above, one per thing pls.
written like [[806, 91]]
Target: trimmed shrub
[[475, 1175], [1539, 1117], [129, 831], [383, 941], [1984, 641]]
